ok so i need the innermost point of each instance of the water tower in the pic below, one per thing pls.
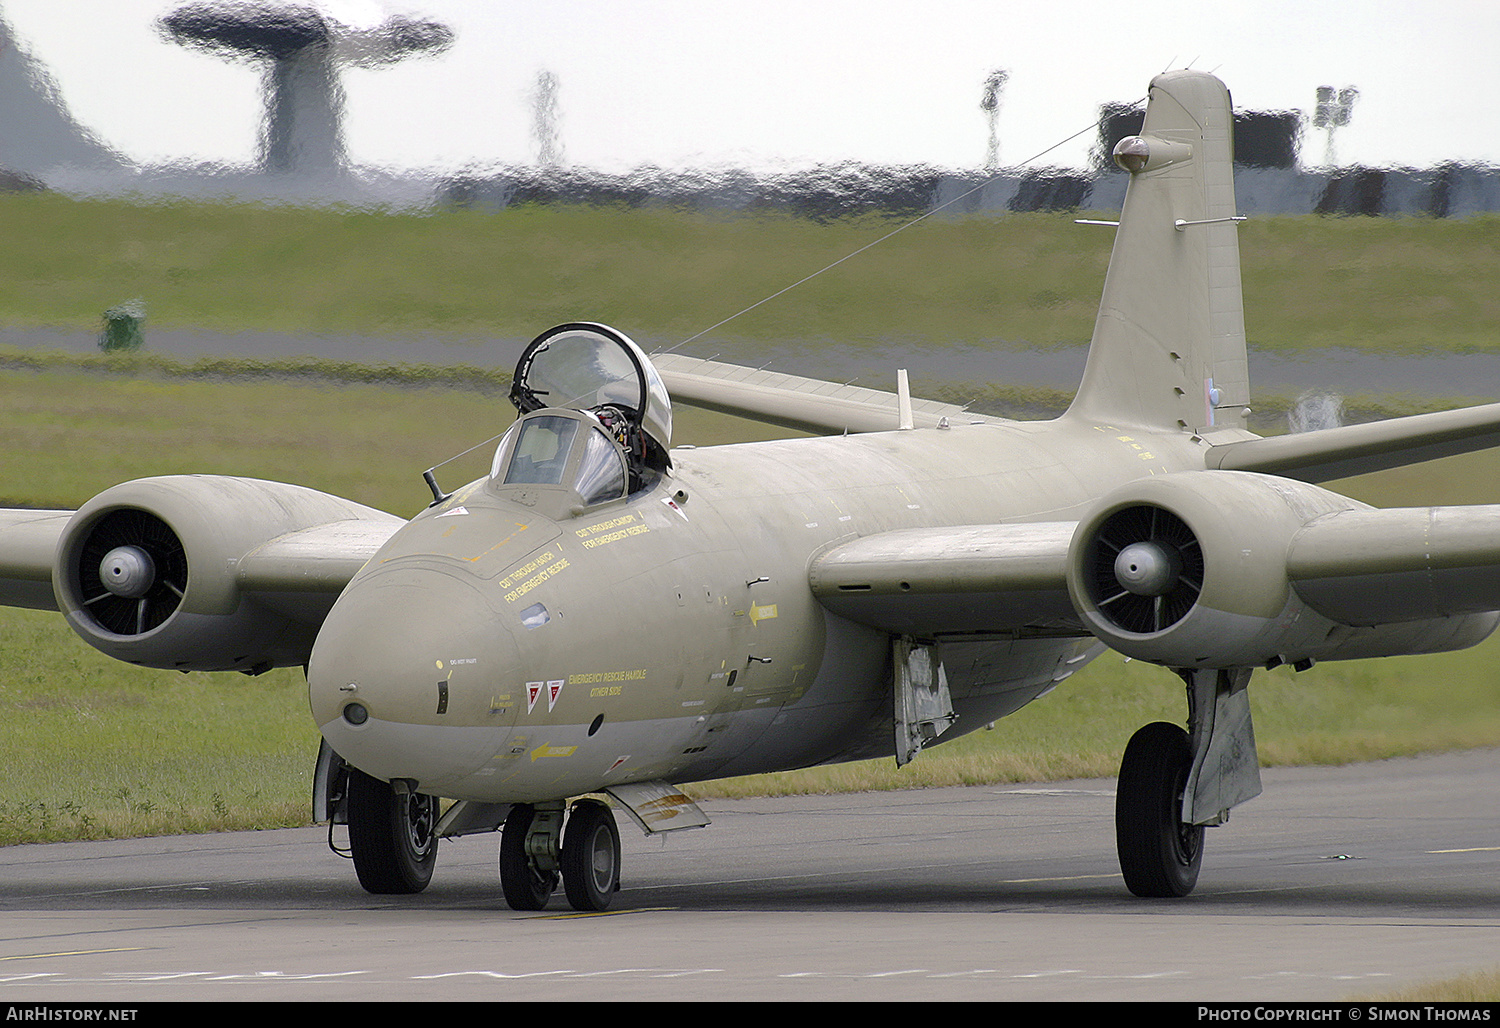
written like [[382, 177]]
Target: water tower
[[301, 47]]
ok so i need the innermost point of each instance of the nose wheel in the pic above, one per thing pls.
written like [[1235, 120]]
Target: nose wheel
[[535, 851], [591, 857]]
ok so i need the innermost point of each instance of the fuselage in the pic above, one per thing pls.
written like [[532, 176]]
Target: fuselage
[[501, 649]]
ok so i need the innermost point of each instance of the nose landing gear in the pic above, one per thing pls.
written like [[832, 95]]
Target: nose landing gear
[[535, 851], [591, 857], [528, 882]]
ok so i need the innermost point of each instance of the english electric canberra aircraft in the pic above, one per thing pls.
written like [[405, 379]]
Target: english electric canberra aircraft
[[602, 616]]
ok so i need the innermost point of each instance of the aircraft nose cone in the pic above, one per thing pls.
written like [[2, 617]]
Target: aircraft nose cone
[[407, 676]]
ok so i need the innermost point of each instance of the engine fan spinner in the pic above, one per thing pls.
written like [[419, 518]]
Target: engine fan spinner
[[1144, 569]]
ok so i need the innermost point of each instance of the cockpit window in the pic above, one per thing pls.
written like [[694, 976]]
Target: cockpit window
[[497, 468], [563, 448], [601, 473], [541, 453]]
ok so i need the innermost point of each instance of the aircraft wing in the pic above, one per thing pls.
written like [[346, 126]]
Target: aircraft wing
[[28, 544], [315, 560], [1361, 449], [318, 560], [1369, 567], [790, 401], [971, 578], [1359, 568]]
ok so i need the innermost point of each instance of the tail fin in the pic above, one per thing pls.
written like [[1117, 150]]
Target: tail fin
[[1169, 343]]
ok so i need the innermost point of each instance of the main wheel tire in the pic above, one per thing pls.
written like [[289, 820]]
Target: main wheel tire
[[1159, 854], [591, 857], [392, 836], [524, 886]]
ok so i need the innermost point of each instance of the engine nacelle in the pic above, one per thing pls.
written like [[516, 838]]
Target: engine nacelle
[[1189, 570], [147, 572]]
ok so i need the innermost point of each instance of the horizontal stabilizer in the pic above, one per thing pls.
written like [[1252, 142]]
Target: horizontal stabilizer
[[1360, 449], [974, 578], [806, 404]]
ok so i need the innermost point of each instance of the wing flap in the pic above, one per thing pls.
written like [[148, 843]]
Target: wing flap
[[1361, 449], [790, 401], [1371, 567], [968, 579]]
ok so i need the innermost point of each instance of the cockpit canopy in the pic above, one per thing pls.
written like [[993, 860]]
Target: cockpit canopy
[[595, 419], [588, 367]]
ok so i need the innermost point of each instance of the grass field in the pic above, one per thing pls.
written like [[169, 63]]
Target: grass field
[[1391, 285], [95, 748]]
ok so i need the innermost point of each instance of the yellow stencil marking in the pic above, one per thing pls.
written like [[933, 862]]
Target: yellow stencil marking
[[548, 563], [762, 613], [545, 750]]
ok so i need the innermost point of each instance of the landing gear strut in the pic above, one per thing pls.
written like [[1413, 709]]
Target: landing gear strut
[[526, 885], [392, 835], [535, 852]]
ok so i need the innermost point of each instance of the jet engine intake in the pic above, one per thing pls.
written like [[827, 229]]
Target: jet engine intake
[[149, 572], [1189, 569]]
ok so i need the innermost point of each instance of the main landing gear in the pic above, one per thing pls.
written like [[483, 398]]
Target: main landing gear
[[392, 835], [1174, 783], [1159, 854], [535, 851]]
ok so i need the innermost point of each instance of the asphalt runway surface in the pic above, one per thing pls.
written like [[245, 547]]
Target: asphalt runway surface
[[1337, 883]]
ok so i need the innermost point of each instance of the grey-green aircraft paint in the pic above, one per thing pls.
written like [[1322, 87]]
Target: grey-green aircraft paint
[[605, 615]]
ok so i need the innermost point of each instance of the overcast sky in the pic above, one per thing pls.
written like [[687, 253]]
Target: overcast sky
[[788, 83]]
